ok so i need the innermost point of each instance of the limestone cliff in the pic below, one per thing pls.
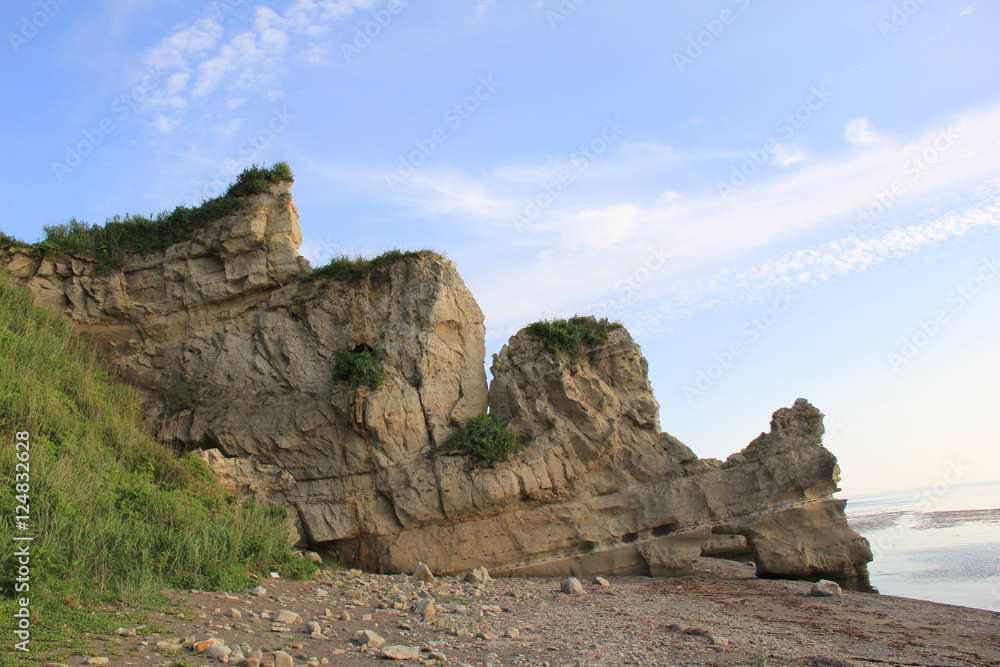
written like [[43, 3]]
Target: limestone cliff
[[231, 322]]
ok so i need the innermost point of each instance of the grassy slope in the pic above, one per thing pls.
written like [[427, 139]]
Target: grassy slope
[[116, 515]]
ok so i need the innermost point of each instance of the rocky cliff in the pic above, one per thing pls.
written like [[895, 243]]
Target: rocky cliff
[[235, 344]]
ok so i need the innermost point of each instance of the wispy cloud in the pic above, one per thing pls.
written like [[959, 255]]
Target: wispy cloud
[[602, 226], [482, 6], [785, 155], [860, 131], [207, 58]]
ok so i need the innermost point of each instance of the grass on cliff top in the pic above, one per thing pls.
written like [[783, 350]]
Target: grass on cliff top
[[572, 336], [115, 515], [352, 269], [484, 438], [142, 234], [6, 240]]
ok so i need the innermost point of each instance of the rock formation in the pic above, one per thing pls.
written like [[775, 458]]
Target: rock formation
[[232, 322]]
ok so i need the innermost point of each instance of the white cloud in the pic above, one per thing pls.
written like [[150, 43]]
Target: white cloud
[[199, 63], [698, 228], [785, 155], [859, 132], [482, 6]]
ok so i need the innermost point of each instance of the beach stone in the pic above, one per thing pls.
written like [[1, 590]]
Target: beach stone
[[282, 659], [234, 614], [313, 627], [125, 632], [825, 588], [572, 586], [400, 653], [368, 638], [424, 608], [511, 633], [478, 575], [422, 573], [260, 590], [202, 646], [602, 582], [284, 616], [719, 641], [98, 661], [487, 635], [217, 651], [314, 557]]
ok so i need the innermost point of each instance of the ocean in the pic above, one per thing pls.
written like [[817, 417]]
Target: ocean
[[940, 543]]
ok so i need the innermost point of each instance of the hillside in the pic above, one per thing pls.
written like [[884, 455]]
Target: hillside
[[114, 515]]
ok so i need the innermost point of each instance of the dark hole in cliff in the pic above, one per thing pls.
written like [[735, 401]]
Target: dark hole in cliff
[[587, 547], [629, 538], [363, 347], [664, 529]]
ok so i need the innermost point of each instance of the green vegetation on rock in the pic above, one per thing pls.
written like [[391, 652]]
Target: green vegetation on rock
[[572, 336], [359, 367], [181, 396], [352, 269], [256, 179], [484, 438], [115, 515], [143, 234], [6, 240]]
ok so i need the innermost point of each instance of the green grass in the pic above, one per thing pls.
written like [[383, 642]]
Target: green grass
[[258, 179], [574, 335], [352, 269], [181, 396], [359, 367], [6, 240], [484, 438], [108, 244], [116, 515]]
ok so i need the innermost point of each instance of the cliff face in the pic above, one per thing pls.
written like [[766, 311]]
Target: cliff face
[[236, 349]]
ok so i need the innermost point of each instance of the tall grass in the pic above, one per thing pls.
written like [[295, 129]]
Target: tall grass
[[115, 515]]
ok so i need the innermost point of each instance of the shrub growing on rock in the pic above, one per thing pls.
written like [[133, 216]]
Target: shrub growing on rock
[[484, 438], [573, 335], [359, 367]]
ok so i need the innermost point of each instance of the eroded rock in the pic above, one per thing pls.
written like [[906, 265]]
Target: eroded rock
[[234, 349]]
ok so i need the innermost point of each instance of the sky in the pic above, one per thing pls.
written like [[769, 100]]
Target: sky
[[777, 199]]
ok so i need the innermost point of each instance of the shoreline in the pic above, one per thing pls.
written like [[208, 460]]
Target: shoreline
[[722, 616]]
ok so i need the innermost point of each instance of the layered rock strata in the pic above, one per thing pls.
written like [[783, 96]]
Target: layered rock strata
[[232, 321]]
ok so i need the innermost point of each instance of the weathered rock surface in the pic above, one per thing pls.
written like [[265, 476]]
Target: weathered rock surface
[[228, 322]]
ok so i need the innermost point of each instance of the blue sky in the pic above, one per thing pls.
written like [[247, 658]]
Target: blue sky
[[777, 199]]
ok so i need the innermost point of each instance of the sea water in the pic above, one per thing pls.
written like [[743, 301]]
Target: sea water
[[940, 544]]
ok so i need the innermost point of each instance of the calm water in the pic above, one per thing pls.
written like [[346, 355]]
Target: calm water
[[940, 544]]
